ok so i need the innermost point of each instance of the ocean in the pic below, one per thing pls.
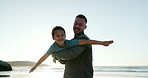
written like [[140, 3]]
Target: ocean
[[57, 72]]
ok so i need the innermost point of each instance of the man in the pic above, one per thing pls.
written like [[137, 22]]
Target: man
[[79, 58]]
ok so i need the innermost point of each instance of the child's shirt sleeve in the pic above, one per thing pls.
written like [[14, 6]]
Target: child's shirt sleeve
[[55, 48], [51, 50], [71, 43]]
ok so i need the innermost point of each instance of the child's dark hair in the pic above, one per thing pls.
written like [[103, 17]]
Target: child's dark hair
[[82, 16], [57, 28]]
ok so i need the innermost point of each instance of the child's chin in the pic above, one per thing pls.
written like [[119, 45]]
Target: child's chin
[[61, 42]]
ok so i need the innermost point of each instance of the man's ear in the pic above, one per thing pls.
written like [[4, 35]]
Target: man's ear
[[85, 27]]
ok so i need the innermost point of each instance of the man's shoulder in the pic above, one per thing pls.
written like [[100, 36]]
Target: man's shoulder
[[83, 36]]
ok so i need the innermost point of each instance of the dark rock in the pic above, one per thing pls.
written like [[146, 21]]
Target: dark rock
[[4, 66], [4, 75]]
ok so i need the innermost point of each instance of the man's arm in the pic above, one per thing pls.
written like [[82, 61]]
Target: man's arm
[[70, 53]]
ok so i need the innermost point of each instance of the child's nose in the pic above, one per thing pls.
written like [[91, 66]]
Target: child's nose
[[60, 37]]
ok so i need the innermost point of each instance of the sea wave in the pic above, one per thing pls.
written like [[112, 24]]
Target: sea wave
[[121, 69], [99, 71]]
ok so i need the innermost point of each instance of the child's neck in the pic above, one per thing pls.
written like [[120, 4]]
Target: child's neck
[[62, 45]]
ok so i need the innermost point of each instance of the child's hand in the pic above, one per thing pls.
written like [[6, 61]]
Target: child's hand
[[107, 43], [32, 69], [52, 55], [54, 60]]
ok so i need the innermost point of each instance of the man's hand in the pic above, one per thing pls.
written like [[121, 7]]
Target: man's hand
[[61, 61]]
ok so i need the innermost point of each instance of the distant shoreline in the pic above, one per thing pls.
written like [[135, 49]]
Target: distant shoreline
[[24, 63]]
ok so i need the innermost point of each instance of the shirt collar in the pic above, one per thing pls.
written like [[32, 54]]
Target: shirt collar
[[77, 35]]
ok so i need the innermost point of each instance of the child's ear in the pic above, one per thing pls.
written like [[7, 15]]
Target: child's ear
[[52, 38]]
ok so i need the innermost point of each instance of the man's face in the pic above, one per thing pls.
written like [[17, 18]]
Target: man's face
[[79, 25]]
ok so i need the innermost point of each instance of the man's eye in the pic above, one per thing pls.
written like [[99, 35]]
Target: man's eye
[[80, 24], [75, 24]]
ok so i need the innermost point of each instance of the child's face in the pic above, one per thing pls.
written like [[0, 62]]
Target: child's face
[[59, 37]]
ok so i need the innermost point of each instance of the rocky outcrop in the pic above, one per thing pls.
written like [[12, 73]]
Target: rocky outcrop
[[4, 66]]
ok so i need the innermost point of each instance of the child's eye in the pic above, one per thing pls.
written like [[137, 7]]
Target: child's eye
[[63, 34], [57, 35]]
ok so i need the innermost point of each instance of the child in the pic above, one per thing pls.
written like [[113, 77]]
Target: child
[[58, 34]]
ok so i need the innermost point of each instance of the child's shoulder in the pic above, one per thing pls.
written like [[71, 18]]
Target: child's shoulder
[[71, 43]]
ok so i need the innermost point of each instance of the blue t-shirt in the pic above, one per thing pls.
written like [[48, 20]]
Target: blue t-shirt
[[55, 48]]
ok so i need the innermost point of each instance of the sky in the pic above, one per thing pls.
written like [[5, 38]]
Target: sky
[[25, 28]]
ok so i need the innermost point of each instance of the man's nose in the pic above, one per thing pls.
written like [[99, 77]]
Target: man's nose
[[77, 26]]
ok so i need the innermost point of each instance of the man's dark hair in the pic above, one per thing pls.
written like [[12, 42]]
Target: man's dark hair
[[57, 28], [82, 16]]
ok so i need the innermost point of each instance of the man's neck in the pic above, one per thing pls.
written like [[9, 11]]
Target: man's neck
[[76, 35]]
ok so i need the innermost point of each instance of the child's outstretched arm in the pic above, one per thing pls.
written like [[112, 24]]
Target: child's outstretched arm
[[39, 62], [104, 43]]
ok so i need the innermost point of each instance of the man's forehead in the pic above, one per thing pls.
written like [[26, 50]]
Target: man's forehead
[[81, 20]]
